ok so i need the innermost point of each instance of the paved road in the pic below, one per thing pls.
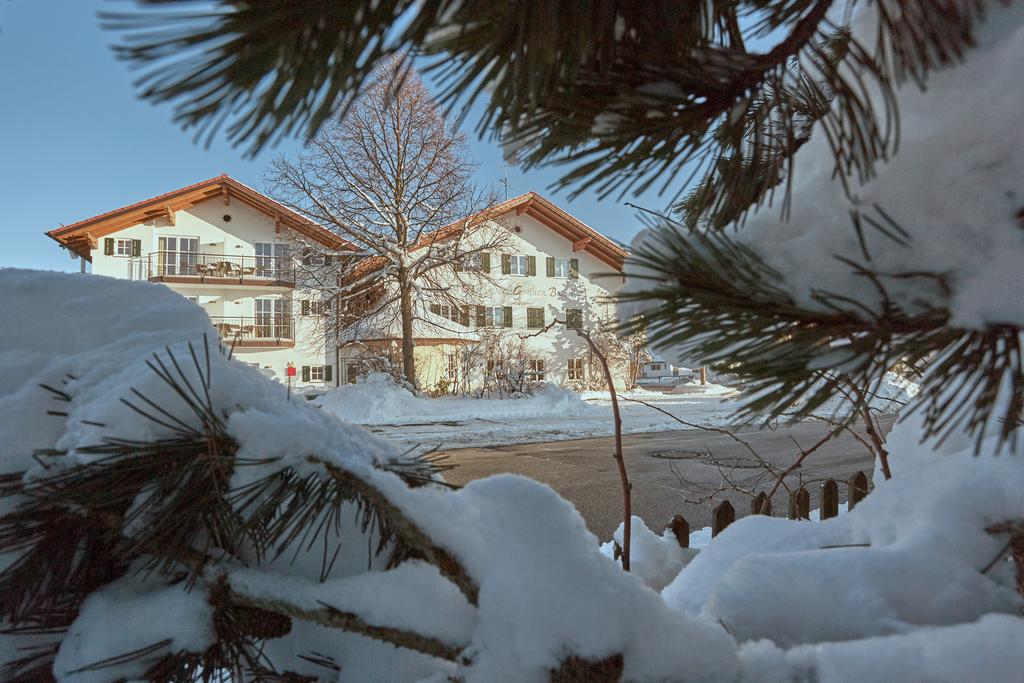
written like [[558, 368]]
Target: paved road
[[584, 471]]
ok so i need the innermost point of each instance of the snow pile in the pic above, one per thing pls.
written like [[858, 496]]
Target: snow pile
[[912, 554], [696, 389], [546, 589], [92, 339], [655, 559], [377, 400]]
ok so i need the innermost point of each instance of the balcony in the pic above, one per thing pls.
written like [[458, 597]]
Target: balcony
[[271, 331], [217, 269]]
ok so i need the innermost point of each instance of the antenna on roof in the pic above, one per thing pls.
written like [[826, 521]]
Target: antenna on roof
[[504, 180]]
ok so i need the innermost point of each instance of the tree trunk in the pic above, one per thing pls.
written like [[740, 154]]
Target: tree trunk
[[408, 359], [703, 375]]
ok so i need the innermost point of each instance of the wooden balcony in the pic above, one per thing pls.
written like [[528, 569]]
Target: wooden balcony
[[277, 332], [215, 269]]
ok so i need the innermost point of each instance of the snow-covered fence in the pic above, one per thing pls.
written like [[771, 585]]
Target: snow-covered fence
[[724, 513]]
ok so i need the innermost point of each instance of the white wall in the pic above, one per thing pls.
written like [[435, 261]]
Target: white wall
[[236, 237], [589, 292]]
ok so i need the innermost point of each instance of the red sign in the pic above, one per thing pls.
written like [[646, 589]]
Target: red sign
[[291, 370]]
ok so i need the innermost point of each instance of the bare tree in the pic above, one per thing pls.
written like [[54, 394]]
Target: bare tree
[[392, 176]]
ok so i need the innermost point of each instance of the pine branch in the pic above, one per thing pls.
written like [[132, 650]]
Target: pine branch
[[715, 299], [407, 529]]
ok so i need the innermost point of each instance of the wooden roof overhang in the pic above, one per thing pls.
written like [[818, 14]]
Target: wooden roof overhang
[[83, 236], [583, 237]]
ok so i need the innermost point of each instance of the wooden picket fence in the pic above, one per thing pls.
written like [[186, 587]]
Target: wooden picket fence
[[724, 513]]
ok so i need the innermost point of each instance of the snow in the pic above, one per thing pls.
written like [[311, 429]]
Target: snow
[[988, 649], [551, 414], [655, 559], [376, 400], [413, 596], [926, 546], [546, 589], [119, 619]]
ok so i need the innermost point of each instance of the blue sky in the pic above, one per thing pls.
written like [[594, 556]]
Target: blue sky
[[75, 140]]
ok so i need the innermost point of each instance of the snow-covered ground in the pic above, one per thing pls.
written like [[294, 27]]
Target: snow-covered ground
[[551, 414]]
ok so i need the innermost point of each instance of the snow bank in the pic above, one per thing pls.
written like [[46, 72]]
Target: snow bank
[[697, 389], [655, 559], [913, 553], [376, 400], [987, 650]]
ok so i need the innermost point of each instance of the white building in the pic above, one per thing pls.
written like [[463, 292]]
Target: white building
[[233, 251], [550, 266], [228, 248]]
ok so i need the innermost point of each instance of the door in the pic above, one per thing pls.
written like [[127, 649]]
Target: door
[[178, 255], [270, 260], [273, 319]]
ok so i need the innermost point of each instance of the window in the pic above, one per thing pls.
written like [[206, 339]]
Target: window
[[494, 316], [317, 373], [574, 318], [562, 267], [457, 314], [518, 264], [536, 371], [535, 318], [177, 255], [270, 259], [452, 369], [120, 247], [478, 261], [316, 307], [575, 369], [193, 299]]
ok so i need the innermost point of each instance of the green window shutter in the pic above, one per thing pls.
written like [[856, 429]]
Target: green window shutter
[[574, 267], [485, 262], [305, 307], [531, 265], [458, 267], [136, 247], [305, 373], [327, 259], [508, 316], [464, 316], [481, 316], [506, 264], [550, 263], [108, 246], [435, 309], [328, 373]]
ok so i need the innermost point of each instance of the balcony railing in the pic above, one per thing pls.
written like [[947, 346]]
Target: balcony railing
[[185, 266], [269, 330]]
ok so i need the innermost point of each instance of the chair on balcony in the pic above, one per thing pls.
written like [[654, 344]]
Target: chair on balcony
[[226, 330]]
